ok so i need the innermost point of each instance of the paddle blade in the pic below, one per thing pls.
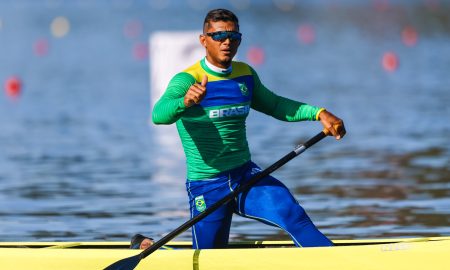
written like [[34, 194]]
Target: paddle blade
[[125, 264]]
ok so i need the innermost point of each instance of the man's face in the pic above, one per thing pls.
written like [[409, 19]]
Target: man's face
[[220, 53]]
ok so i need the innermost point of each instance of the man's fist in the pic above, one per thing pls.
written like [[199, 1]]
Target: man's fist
[[332, 125], [196, 93]]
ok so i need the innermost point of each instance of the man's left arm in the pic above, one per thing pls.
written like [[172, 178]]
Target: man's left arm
[[285, 109]]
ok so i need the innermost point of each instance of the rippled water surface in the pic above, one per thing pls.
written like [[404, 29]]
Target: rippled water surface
[[79, 161]]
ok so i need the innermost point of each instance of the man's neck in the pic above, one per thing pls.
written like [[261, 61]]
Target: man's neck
[[217, 69]]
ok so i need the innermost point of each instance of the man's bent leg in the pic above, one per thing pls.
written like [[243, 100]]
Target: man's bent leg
[[271, 202]]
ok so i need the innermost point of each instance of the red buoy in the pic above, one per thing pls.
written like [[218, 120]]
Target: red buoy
[[132, 29], [432, 5], [13, 87], [381, 5], [409, 36], [40, 47], [390, 61], [140, 51], [306, 34], [255, 56]]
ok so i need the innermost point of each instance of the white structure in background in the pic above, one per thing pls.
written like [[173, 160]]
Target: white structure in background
[[170, 52]]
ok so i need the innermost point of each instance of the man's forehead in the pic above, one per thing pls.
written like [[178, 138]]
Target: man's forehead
[[222, 25]]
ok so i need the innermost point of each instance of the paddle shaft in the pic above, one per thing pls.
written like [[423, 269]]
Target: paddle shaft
[[297, 151]]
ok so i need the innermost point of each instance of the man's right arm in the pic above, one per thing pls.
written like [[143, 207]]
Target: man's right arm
[[170, 106]]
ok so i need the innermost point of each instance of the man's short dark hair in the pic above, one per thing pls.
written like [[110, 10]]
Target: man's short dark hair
[[220, 14]]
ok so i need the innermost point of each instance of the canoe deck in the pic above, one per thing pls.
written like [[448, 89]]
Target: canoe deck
[[188, 245], [407, 253]]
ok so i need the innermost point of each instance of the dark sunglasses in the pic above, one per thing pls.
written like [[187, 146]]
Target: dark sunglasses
[[223, 35]]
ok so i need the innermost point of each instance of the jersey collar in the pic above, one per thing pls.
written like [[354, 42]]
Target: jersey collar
[[215, 70]]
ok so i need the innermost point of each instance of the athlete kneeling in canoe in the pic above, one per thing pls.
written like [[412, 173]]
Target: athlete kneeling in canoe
[[209, 102]]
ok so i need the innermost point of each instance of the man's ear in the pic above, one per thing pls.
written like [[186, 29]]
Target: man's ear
[[202, 40]]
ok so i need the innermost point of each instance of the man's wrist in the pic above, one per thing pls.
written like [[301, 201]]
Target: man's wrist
[[319, 112]]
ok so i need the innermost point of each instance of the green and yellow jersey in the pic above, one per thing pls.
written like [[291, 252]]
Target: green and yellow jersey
[[213, 133]]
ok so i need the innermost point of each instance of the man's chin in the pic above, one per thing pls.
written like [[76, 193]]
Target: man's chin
[[226, 60]]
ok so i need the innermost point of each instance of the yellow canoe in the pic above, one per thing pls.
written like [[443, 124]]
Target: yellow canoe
[[408, 254]]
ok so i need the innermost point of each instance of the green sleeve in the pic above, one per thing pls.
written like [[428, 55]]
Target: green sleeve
[[169, 108], [281, 108]]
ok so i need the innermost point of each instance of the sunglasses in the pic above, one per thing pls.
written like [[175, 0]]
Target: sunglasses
[[223, 35]]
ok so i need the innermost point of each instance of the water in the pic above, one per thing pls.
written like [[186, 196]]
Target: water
[[79, 161]]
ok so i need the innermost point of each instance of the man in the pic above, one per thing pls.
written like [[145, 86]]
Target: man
[[209, 103]]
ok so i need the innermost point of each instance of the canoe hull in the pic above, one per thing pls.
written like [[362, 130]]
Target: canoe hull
[[407, 254]]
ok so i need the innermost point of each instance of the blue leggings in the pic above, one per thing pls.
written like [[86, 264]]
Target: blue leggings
[[268, 201]]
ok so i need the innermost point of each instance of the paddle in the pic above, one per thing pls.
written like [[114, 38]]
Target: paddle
[[131, 262]]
